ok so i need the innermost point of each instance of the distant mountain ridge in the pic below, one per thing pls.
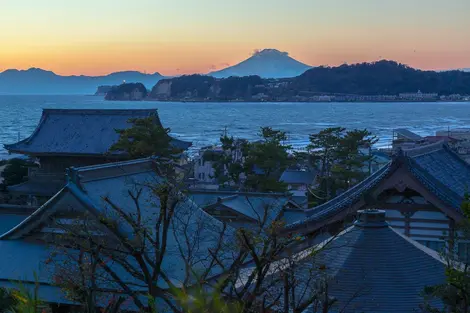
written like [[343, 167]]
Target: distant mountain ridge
[[267, 63], [38, 81], [382, 77]]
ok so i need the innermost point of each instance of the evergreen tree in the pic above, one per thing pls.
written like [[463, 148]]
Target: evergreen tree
[[228, 164], [455, 292], [252, 166], [145, 138], [266, 160], [16, 171], [337, 155]]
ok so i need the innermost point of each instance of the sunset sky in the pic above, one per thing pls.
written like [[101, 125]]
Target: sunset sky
[[96, 37]]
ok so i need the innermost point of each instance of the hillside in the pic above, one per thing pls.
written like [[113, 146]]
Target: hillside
[[200, 87], [103, 90], [380, 78], [268, 63], [127, 92], [366, 79], [38, 81]]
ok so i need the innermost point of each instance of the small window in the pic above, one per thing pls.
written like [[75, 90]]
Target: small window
[[435, 245]]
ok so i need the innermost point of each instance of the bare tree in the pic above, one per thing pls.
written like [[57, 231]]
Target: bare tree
[[158, 249]]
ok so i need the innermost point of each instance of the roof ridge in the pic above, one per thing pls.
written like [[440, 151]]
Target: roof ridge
[[426, 149], [432, 253], [230, 197], [42, 120], [313, 212], [111, 164], [238, 193], [75, 175], [98, 111]]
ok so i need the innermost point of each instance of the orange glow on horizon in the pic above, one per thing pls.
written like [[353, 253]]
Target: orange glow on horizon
[[99, 61]]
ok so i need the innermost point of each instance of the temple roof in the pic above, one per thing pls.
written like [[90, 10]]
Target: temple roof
[[37, 188], [252, 205], [298, 177], [89, 186], [441, 171], [80, 132], [405, 133], [371, 268]]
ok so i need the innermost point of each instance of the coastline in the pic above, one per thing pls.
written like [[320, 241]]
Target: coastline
[[292, 101]]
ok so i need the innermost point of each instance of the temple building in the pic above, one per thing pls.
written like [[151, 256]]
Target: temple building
[[298, 183], [243, 209], [420, 189], [369, 267], [66, 138], [29, 248]]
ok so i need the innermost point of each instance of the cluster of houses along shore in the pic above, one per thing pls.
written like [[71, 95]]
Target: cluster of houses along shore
[[396, 219]]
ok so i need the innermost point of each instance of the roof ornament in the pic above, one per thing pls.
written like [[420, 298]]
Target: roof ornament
[[371, 218]]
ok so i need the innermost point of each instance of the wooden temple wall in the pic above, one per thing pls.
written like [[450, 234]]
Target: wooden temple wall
[[430, 228]]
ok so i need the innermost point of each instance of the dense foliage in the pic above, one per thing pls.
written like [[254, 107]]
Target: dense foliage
[[103, 90], [204, 87], [338, 156], [16, 171], [455, 292], [239, 87], [196, 85], [145, 138], [129, 91], [376, 78], [381, 78], [252, 166]]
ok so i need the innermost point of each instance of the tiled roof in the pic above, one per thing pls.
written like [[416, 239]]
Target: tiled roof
[[443, 172], [407, 134], [297, 177], [90, 185], [8, 221], [250, 204], [345, 199], [80, 132], [37, 188], [371, 268], [440, 170]]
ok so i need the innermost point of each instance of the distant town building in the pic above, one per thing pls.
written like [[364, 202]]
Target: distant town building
[[298, 183], [203, 167], [418, 96], [453, 97]]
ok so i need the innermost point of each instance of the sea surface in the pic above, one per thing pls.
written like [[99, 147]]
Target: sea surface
[[203, 123]]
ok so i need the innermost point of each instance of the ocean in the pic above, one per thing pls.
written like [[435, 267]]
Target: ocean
[[203, 123]]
